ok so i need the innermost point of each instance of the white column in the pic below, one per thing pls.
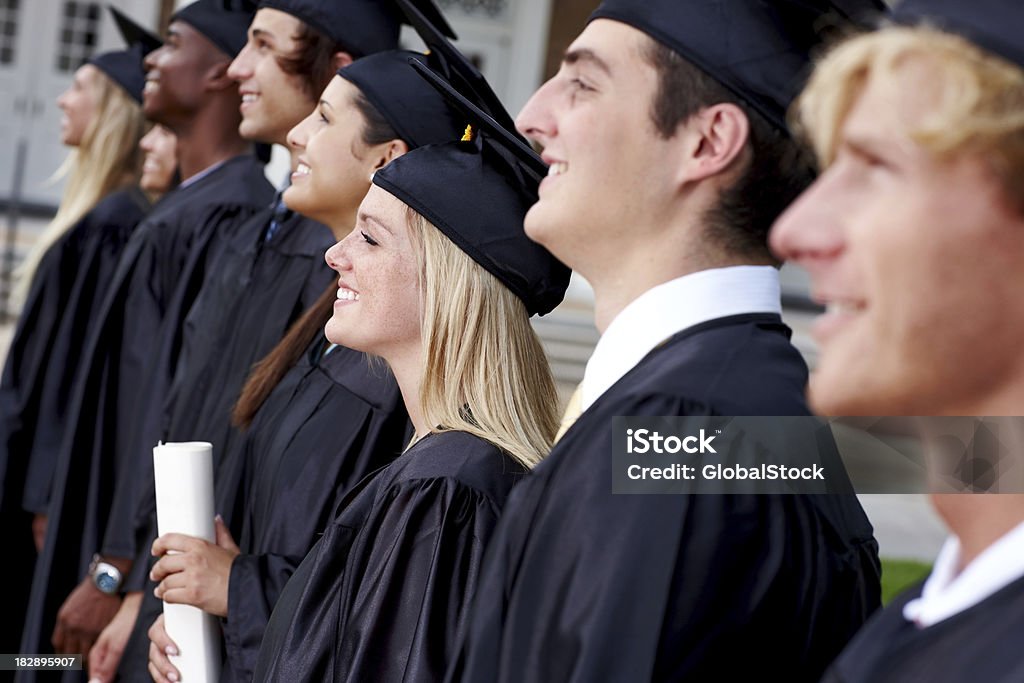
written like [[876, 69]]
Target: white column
[[530, 23]]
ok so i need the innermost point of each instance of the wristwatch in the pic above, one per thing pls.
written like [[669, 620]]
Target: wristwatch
[[105, 576]]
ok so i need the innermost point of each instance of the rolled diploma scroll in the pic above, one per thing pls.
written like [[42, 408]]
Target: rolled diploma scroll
[[184, 505]]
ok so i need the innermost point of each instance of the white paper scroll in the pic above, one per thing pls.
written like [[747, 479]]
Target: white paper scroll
[[184, 505]]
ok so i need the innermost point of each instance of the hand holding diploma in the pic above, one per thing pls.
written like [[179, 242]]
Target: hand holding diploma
[[161, 648], [183, 474], [196, 572]]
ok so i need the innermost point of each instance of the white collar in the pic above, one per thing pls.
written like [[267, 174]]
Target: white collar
[[202, 174], [671, 307], [947, 593]]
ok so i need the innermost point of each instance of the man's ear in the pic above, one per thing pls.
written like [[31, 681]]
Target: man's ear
[[216, 77], [342, 59], [714, 140]]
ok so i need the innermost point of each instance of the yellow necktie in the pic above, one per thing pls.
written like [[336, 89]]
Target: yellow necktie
[[572, 412]]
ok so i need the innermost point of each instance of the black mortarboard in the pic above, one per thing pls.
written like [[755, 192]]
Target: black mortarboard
[[758, 49], [451, 63], [362, 27], [224, 22], [134, 33], [418, 112], [124, 67], [995, 25], [477, 192]]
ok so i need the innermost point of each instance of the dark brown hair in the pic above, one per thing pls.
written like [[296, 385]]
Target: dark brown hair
[[778, 171], [313, 60], [268, 372]]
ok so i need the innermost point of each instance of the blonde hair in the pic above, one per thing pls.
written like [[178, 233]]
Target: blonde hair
[[485, 371], [107, 159], [980, 109]]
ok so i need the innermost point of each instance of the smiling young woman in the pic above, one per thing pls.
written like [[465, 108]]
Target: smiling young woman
[[439, 280], [317, 417]]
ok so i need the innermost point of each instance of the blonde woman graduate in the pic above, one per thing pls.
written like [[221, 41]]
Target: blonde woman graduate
[[317, 417], [439, 280], [61, 283]]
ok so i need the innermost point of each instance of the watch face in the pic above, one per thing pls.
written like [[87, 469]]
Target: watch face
[[106, 582]]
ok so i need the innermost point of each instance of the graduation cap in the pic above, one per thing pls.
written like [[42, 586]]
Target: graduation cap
[[224, 22], [134, 33], [477, 192], [451, 63], [124, 67], [363, 27], [418, 112], [994, 25], [758, 49]]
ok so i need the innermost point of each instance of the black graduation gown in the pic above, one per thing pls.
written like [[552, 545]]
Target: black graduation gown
[[583, 585], [250, 297], [45, 351], [155, 277], [382, 595], [331, 421], [258, 290], [982, 643]]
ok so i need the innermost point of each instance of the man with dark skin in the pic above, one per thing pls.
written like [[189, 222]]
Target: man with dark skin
[[189, 91]]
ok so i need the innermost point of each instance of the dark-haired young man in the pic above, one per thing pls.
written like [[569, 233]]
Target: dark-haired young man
[[664, 130], [273, 270]]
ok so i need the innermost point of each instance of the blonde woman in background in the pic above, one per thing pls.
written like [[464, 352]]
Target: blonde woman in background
[[102, 125], [62, 280]]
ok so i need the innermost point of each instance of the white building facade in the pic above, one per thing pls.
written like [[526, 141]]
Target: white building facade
[[43, 42]]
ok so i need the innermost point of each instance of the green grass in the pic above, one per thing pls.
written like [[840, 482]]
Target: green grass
[[898, 575]]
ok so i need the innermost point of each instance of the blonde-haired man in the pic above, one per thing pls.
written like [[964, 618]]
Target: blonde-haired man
[[914, 238]]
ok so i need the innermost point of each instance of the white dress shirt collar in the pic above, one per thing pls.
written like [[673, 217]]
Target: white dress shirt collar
[[671, 307], [202, 174], [947, 593]]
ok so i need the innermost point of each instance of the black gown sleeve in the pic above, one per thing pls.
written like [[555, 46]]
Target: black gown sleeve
[[24, 373], [422, 567], [255, 585], [19, 395], [385, 601], [98, 251], [48, 345], [154, 312]]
